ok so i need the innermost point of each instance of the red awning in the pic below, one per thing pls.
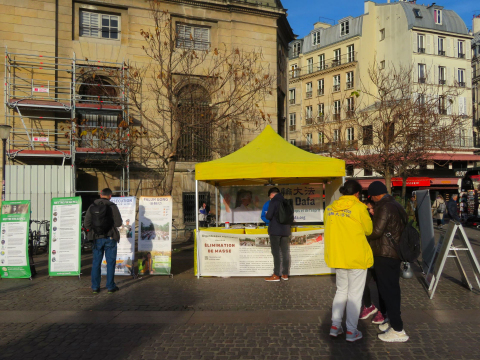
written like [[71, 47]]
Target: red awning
[[455, 157], [412, 181], [445, 181]]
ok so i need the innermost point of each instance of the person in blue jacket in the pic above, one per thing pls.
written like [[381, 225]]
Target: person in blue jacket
[[264, 212]]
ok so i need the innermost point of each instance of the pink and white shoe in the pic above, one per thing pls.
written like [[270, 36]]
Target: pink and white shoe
[[378, 319], [367, 312]]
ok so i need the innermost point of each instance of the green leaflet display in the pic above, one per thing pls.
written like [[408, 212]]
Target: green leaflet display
[[64, 249], [15, 220]]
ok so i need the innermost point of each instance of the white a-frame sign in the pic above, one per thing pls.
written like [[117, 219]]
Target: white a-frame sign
[[446, 249]]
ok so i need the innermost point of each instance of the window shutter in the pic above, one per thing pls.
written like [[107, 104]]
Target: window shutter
[[435, 44], [449, 46], [429, 44], [461, 105], [468, 51], [449, 76], [201, 37], [415, 45], [84, 23], [455, 45], [415, 72], [436, 75], [94, 24], [469, 77], [455, 75], [449, 105]]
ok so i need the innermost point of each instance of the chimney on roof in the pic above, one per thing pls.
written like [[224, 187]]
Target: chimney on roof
[[476, 24]]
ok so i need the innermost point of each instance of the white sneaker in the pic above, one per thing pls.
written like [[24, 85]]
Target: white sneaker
[[384, 327], [393, 336]]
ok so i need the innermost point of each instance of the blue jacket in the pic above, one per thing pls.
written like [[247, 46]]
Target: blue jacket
[[264, 212], [275, 228]]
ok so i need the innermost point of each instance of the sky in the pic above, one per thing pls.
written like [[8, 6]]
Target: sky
[[302, 14]]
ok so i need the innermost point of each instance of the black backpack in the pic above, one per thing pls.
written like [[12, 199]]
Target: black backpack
[[408, 246], [102, 218], [285, 212]]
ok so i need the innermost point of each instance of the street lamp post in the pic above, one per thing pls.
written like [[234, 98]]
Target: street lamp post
[[4, 135]]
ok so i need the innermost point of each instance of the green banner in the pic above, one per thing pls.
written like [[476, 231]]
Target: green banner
[[15, 221], [65, 241]]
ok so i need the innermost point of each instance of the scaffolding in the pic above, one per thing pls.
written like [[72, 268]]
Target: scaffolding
[[68, 111]]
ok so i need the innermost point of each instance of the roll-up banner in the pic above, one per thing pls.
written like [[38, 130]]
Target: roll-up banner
[[155, 235], [126, 245], [64, 250], [15, 219], [222, 254]]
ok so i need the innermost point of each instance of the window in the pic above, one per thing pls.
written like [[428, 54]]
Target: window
[[421, 100], [320, 87], [293, 142], [316, 38], [321, 112], [292, 122], [382, 34], [193, 37], [461, 77], [421, 43], [382, 64], [422, 73], [350, 53], [309, 65], [337, 55], [99, 25], [461, 49], [442, 75], [367, 135], [309, 90], [350, 134], [296, 49], [336, 83], [321, 62], [345, 28], [309, 139], [437, 15], [417, 13], [349, 170], [321, 138], [336, 110], [350, 106], [350, 80], [291, 96], [336, 135], [367, 172], [442, 105], [295, 71], [441, 46], [308, 115]]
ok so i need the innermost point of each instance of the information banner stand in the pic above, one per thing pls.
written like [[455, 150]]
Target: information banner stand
[[64, 249], [126, 245], [445, 249], [14, 260], [155, 235]]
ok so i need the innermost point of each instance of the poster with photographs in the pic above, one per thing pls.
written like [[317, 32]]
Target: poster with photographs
[[222, 254], [155, 235], [126, 245], [15, 219], [243, 204], [64, 250]]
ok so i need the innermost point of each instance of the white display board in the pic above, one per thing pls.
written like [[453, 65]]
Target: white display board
[[222, 254]]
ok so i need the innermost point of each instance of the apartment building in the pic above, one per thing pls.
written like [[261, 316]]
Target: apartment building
[[476, 71], [51, 44], [430, 39]]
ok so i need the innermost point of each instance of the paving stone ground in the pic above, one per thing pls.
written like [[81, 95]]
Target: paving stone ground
[[223, 318]]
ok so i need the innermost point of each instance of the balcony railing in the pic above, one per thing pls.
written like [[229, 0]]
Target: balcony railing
[[336, 88], [336, 117], [350, 114], [292, 101], [309, 94], [421, 50], [292, 128], [441, 52], [309, 121], [324, 65], [422, 80], [320, 92], [461, 56], [461, 84], [350, 85], [320, 118], [442, 82], [442, 111]]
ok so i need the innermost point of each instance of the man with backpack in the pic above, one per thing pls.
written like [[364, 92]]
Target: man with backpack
[[101, 221], [280, 215], [389, 222]]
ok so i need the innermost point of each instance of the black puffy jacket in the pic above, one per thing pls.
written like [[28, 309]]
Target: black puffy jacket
[[389, 218], [274, 227]]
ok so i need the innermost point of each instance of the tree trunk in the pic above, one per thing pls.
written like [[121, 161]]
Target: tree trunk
[[170, 177], [172, 162], [404, 189], [388, 181]]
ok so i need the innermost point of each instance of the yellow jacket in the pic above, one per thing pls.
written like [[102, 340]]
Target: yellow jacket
[[347, 225]]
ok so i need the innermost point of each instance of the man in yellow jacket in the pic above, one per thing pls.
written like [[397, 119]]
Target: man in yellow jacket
[[347, 225]]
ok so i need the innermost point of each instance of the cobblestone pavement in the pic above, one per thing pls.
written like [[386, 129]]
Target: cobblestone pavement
[[223, 318]]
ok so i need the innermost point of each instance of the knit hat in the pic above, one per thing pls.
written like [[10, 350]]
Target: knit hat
[[377, 188]]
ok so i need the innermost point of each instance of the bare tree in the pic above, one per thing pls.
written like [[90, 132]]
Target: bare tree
[[192, 101], [393, 124]]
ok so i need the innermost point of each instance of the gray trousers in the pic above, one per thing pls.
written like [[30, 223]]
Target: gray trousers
[[281, 254]]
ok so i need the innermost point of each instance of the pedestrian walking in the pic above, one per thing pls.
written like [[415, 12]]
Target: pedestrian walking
[[347, 223], [389, 221], [438, 210], [279, 237], [102, 221], [368, 308], [452, 209]]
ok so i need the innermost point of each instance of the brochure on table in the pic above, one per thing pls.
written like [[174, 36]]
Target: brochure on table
[[64, 251], [155, 235], [126, 245], [15, 220]]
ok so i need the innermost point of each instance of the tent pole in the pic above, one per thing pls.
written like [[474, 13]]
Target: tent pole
[[196, 227], [216, 206]]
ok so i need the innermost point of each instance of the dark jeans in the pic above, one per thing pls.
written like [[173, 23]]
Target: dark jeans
[[281, 254], [106, 246], [387, 271], [367, 299]]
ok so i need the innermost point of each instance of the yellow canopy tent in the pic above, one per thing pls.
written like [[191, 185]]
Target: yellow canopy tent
[[269, 159]]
